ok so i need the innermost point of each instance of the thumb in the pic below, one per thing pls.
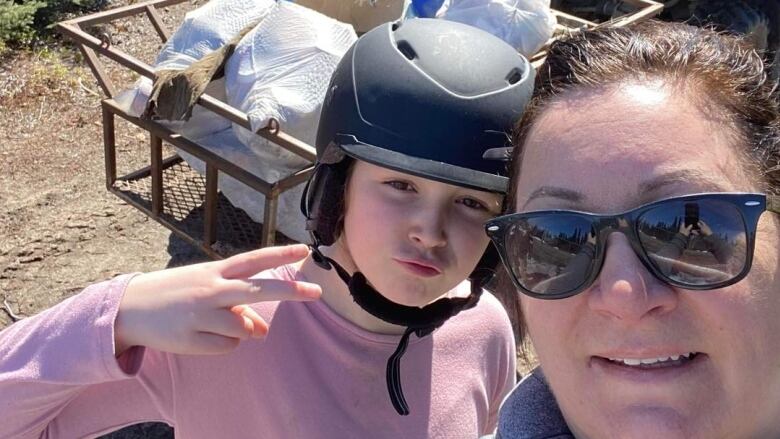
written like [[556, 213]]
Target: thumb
[[247, 264]]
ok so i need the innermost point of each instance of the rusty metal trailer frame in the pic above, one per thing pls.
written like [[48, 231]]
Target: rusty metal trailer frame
[[92, 48]]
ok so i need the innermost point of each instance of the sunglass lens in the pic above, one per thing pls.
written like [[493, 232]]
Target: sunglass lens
[[695, 243], [551, 254]]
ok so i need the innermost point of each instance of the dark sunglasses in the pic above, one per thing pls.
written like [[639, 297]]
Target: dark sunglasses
[[696, 242]]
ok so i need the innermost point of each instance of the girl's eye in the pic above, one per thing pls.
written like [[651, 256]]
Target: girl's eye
[[400, 185], [471, 203]]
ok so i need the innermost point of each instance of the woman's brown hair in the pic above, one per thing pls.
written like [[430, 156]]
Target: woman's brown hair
[[723, 73]]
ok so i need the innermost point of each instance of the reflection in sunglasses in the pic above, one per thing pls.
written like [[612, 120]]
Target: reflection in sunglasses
[[559, 265], [691, 273]]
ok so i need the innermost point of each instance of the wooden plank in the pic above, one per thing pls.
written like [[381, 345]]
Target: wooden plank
[[573, 18], [293, 180], [644, 14]]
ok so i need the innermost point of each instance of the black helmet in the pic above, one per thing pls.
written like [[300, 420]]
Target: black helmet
[[427, 97]]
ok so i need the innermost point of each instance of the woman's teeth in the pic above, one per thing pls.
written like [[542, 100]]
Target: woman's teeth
[[673, 360]]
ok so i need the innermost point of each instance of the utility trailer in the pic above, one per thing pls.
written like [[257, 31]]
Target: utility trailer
[[168, 190]]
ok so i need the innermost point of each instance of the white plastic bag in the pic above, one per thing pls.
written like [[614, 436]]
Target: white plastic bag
[[525, 24], [279, 70], [204, 30], [208, 28]]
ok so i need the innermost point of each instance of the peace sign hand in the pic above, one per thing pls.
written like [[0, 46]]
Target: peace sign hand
[[202, 308]]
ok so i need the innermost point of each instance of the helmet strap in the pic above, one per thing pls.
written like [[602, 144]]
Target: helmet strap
[[420, 321]]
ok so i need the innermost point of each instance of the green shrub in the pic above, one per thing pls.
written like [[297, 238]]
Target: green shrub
[[53, 10], [17, 21], [21, 21]]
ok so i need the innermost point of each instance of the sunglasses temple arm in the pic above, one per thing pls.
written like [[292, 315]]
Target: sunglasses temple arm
[[773, 203]]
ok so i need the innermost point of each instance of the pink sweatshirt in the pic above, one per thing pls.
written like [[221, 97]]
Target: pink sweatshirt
[[315, 375]]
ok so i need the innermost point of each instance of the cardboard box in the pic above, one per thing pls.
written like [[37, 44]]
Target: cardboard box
[[363, 15]]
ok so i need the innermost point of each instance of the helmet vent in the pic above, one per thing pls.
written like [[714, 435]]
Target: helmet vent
[[395, 26], [406, 49], [514, 76]]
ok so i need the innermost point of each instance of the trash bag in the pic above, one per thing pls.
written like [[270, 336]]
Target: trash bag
[[525, 24], [206, 30], [279, 70]]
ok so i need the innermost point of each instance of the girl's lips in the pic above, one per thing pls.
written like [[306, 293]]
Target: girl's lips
[[419, 268]]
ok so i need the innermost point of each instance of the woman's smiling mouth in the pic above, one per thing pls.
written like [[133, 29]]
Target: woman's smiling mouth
[[652, 363], [643, 368]]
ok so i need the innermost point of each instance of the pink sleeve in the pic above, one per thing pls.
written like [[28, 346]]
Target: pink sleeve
[[59, 376]]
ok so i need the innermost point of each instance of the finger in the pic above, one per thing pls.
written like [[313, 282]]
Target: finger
[[238, 292], [247, 264], [225, 323], [258, 326]]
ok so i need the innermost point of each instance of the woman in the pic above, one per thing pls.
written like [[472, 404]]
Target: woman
[[658, 335]]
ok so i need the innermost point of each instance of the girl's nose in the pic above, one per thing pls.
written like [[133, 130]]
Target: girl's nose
[[625, 290], [427, 227]]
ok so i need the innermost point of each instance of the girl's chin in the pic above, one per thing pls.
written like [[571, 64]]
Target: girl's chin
[[409, 294]]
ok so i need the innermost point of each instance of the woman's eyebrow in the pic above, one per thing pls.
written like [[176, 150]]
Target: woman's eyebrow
[[555, 192], [685, 176]]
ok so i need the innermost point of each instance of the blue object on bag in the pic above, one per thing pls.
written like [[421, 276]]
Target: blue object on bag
[[426, 8]]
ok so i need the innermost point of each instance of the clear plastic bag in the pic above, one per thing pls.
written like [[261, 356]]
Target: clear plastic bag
[[280, 70], [525, 24]]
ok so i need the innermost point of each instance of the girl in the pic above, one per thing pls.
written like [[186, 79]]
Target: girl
[[405, 178]]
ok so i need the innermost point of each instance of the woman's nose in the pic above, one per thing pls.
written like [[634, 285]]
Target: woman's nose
[[625, 290], [427, 227]]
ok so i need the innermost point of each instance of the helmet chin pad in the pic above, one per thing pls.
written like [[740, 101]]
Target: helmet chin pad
[[324, 201]]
